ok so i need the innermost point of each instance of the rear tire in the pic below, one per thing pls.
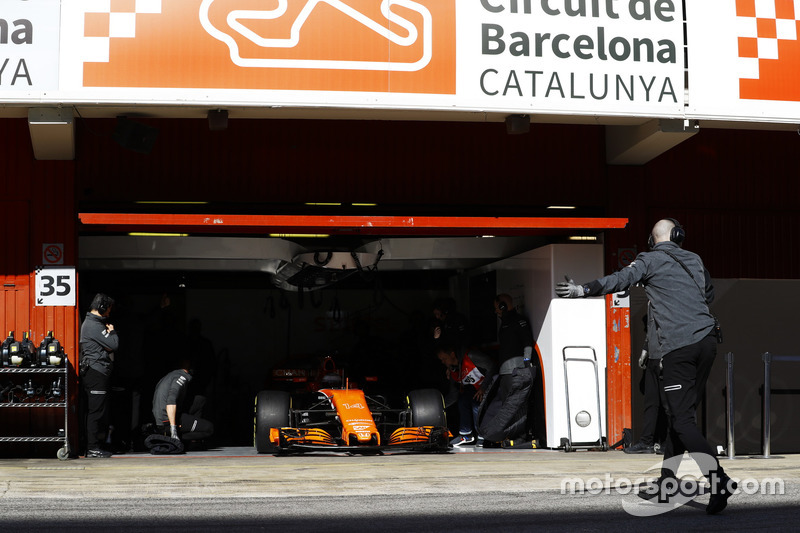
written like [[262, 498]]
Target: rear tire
[[427, 408], [271, 411]]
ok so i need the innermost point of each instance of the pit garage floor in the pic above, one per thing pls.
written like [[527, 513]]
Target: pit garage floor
[[235, 489]]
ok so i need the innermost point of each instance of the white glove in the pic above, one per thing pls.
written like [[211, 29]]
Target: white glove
[[569, 289], [173, 432]]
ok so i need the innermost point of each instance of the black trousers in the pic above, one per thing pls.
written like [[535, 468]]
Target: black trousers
[[191, 428], [97, 387], [685, 375], [654, 421]]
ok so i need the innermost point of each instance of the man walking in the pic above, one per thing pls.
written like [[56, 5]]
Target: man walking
[[679, 290]]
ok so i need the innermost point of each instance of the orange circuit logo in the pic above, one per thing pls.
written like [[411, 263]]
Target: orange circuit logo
[[334, 45], [770, 49]]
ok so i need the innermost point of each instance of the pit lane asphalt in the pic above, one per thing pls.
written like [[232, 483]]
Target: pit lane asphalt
[[235, 489]]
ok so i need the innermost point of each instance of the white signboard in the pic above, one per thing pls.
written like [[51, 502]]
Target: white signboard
[[580, 57], [609, 57], [744, 60], [55, 286], [29, 44], [621, 57]]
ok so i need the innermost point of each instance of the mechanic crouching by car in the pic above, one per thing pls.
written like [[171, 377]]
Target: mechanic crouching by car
[[470, 373], [171, 419]]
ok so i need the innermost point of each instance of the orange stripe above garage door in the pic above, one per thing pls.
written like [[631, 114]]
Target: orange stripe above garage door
[[366, 225]]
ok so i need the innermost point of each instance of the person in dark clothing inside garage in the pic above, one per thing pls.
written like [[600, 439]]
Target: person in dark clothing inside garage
[[98, 342], [168, 411], [470, 372], [516, 340], [450, 328], [679, 290], [503, 415]]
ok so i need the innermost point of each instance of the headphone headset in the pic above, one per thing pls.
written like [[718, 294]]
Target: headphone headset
[[103, 303], [501, 305], [677, 234]]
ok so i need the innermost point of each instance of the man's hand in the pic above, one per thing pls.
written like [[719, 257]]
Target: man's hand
[[643, 360], [173, 432], [569, 289]]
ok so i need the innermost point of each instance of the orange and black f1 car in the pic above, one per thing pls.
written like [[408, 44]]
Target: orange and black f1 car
[[347, 420]]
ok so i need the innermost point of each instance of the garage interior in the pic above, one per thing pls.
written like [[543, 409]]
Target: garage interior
[[243, 283], [256, 302]]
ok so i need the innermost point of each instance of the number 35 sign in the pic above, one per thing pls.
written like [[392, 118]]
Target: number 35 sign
[[55, 286]]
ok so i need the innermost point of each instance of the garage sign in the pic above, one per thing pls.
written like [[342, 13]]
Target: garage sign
[[615, 57], [55, 286]]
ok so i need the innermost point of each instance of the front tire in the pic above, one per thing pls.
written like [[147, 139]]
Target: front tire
[[427, 408], [271, 411]]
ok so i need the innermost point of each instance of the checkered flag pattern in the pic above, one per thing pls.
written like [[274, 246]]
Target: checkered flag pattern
[[762, 24], [112, 19]]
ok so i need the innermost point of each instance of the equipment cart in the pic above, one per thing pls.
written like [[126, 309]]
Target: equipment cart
[[32, 381]]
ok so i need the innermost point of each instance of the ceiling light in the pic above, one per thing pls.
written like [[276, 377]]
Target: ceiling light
[[298, 235], [159, 202], [561, 207], [144, 234], [323, 203], [582, 238]]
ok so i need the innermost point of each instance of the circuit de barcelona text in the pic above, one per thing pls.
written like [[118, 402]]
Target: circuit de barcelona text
[[536, 83], [586, 64]]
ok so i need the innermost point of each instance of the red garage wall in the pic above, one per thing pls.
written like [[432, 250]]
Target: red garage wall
[[37, 206], [277, 162], [735, 191]]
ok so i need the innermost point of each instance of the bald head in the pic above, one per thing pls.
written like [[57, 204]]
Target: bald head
[[661, 231]]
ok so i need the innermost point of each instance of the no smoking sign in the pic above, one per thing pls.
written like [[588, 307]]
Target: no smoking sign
[[53, 253]]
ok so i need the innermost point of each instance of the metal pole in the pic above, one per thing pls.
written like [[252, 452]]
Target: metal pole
[[767, 357], [729, 388]]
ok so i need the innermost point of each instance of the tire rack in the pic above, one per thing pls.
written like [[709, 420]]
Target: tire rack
[[63, 452]]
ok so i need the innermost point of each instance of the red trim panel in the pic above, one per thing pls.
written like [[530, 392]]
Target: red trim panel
[[366, 225]]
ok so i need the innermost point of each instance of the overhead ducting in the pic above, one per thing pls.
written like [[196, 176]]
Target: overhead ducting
[[319, 269]]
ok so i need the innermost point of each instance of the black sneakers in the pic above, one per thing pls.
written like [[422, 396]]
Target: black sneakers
[[640, 447], [97, 454], [722, 488], [662, 489]]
